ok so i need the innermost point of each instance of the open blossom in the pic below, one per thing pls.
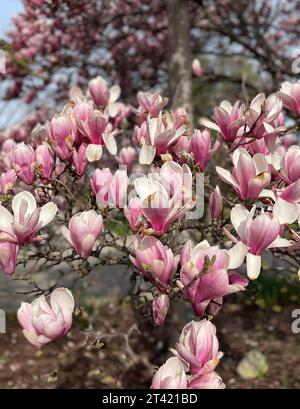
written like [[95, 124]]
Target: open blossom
[[7, 181], [196, 67], [27, 219], [44, 159], [290, 164], [160, 306], [198, 347], [103, 96], [170, 375], [157, 135], [256, 234], [290, 95], [43, 323], [151, 104], [156, 261], [84, 229], [209, 380], [264, 118], [229, 120], [8, 256], [61, 135], [249, 175], [165, 196], [23, 162], [200, 147], [204, 275], [95, 129]]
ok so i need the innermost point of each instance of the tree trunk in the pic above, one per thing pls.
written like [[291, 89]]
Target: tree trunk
[[180, 81]]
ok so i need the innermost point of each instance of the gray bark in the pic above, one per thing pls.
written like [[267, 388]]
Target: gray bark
[[180, 80]]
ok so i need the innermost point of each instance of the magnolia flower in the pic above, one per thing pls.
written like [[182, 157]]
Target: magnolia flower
[[7, 181], [151, 104], [170, 375], [165, 196], [256, 235], [290, 164], [209, 380], [44, 159], [160, 308], [110, 189], [103, 96], [216, 203], [290, 95], [84, 230], [80, 160], [23, 162], [249, 176], [157, 136], [196, 67], [200, 147], [127, 156], [133, 213], [61, 135], [204, 275], [26, 221], [154, 260], [95, 128], [230, 120], [43, 323], [198, 347], [264, 118]]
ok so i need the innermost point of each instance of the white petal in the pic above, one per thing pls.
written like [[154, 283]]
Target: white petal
[[209, 124], [6, 219], [260, 162], [47, 214], [226, 176], [110, 143], [17, 201], [268, 193], [115, 92], [237, 255], [238, 215], [280, 242], [145, 187], [93, 152], [147, 154], [286, 212], [253, 266]]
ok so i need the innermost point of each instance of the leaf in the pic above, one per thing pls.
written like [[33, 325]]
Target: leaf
[[253, 365]]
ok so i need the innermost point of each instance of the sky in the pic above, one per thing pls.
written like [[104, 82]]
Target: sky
[[8, 8]]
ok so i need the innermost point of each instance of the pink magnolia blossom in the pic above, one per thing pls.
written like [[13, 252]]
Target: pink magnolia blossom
[[256, 234], [157, 135], [170, 375], [127, 156], [166, 196], [249, 176], [290, 164], [204, 275], [80, 160], [105, 97], [160, 306], [84, 229], [23, 162], [156, 261], [44, 159], [151, 104], [61, 135], [8, 256], [100, 183], [209, 380], [7, 181], [229, 120], [133, 212], [200, 147], [198, 347], [216, 203], [43, 323], [290, 95], [26, 221], [196, 67]]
